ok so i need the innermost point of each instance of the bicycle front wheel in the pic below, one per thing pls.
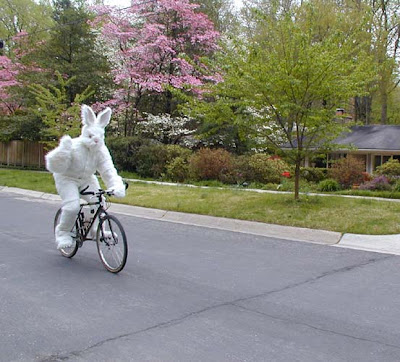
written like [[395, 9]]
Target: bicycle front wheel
[[111, 244], [67, 252]]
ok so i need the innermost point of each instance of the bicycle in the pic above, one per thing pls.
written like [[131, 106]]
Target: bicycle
[[112, 245]]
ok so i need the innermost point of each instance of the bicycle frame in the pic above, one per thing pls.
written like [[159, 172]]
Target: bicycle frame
[[82, 228]]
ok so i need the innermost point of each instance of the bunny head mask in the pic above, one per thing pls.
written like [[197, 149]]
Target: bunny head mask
[[93, 127]]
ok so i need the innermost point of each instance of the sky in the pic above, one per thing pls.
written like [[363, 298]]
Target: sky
[[125, 3]]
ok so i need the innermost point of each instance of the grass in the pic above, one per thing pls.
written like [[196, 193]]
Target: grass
[[335, 213]]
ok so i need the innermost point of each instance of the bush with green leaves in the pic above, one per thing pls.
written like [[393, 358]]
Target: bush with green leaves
[[20, 126], [177, 166], [390, 169], [212, 164], [124, 151], [174, 151], [242, 171], [266, 169], [396, 186], [347, 171], [152, 159], [328, 185], [177, 170], [313, 174]]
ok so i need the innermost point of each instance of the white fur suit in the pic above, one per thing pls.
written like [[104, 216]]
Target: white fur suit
[[74, 163]]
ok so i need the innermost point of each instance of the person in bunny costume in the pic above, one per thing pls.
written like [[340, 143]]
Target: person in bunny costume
[[74, 163]]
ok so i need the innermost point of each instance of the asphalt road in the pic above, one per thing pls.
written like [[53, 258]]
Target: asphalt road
[[190, 294]]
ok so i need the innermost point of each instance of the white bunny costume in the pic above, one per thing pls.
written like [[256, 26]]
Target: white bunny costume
[[74, 163]]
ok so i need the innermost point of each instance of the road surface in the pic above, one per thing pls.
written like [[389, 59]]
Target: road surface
[[190, 294]]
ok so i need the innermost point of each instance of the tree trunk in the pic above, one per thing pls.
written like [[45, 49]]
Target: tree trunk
[[362, 109], [384, 107], [297, 178], [168, 102]]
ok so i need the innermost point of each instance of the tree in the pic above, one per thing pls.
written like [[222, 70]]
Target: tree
[[23, 16], [161, 46], [220, 12], [73, 50], [21, 22], [57, 113], [21, 27], [385, 27], [8, 78], [166, 129], [285, 90]]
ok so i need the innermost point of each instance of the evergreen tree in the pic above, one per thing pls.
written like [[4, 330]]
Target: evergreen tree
[[73, 50]]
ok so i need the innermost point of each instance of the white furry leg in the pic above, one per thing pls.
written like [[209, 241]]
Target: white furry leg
[[63, 239]]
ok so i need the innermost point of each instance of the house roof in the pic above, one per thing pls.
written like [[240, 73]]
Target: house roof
[[374, 137]]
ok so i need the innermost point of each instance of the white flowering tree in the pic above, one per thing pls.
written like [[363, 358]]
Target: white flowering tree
[[166, 128]]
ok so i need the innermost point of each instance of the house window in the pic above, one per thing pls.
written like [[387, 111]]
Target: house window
[[380, 160], [377, 161]]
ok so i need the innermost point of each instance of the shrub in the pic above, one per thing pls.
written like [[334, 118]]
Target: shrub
[[380, 183], [390, 169], [242, 171], [174, 151], [347, 171], [265, 169], [396, 186], [124, 151], [328, 185], [366, 176], [211, 164], [313, 174], [177, 169], [152, 159]]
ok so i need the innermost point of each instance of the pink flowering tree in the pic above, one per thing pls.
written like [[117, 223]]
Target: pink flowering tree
[[13, 69], [8, 78], [157, 47]]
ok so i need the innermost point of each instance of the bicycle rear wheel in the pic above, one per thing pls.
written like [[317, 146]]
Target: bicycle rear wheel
[[67, 252], [111, 244]]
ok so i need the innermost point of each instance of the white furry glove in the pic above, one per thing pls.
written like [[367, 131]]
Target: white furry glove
[[59, 159], [66, 143], [119, 192]]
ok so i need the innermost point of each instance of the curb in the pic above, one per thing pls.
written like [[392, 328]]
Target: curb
[[389, 244]]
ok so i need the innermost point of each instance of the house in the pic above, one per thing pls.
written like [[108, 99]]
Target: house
[[373, 144]]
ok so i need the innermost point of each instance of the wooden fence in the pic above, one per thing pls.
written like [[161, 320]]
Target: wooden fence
[[22, 153]]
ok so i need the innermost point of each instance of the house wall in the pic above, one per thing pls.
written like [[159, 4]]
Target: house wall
[[372, 159]]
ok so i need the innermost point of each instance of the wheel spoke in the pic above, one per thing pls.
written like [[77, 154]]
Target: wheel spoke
[[111, 244]]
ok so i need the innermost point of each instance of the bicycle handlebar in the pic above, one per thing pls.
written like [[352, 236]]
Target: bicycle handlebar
[[83, 192], [100, 191]]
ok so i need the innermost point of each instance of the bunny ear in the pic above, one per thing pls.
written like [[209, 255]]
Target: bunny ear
[[88, 116], [104, 117]]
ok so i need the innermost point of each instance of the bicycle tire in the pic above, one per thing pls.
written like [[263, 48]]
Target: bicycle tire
[[111, 243], [67, 252]]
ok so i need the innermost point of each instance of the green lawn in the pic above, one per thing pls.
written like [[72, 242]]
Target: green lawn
[[360, 216]]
